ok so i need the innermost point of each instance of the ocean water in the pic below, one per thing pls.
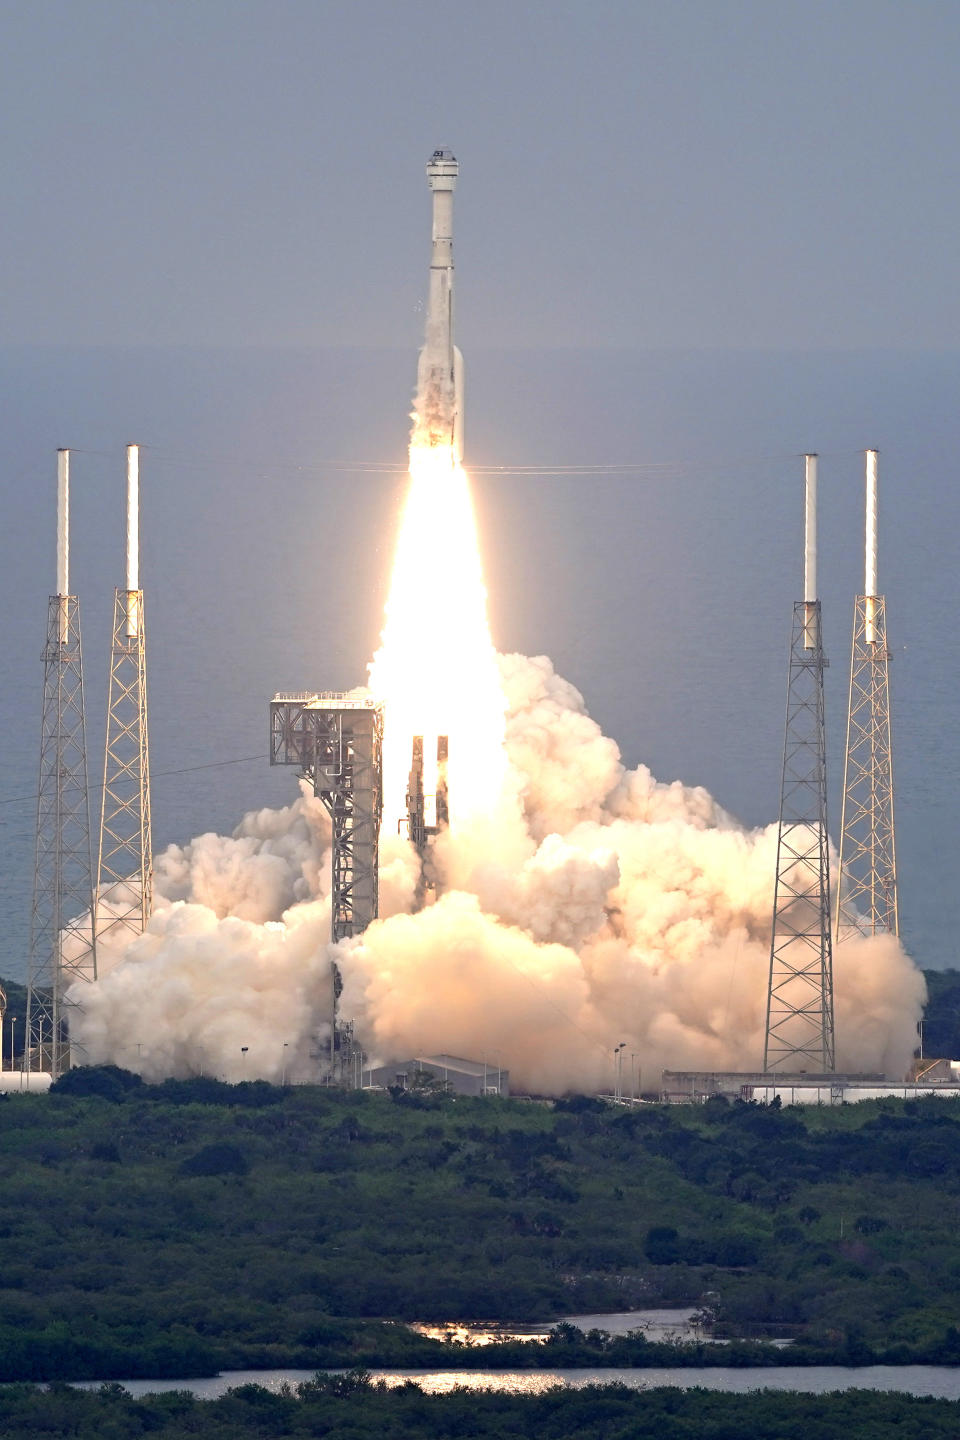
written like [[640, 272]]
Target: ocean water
[[663, 591]]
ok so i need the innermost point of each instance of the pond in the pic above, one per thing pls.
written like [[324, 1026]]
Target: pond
[[656, 1325]]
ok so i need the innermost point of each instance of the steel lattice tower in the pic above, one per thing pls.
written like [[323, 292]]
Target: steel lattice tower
[[867, 877], [799, 1030], [337, 743], [62, 937], [125, 855]]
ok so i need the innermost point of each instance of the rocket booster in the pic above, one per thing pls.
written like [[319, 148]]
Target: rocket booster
[[440, 367]]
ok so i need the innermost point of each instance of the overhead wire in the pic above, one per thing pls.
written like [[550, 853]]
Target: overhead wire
[[647, 468], [154, 775]]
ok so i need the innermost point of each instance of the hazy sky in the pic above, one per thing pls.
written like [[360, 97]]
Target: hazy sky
[[679, 173], [686, 176]]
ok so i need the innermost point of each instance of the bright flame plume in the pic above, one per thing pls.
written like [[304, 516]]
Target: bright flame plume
[[436, 670]]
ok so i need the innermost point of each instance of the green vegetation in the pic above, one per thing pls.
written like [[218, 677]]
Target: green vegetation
[[193, 1226], [14, 1023], [941, 1023], [349, 1408]]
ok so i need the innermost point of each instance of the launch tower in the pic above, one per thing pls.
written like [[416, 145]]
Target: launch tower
[[336, 741], [867, 876], [62, 935], [125, 854], [799, 1029]]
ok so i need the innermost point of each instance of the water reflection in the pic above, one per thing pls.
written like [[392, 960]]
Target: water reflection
[[933, 1380], [942, 1381], [655, 1325]]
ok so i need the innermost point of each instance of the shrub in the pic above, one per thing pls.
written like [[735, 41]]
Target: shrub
[[662, 1245], [109, 1082], [216, 1160]]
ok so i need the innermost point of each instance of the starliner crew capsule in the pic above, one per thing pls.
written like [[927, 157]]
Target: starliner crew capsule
[[440, 367]]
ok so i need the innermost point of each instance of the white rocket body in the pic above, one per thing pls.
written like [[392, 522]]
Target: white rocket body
[[440, 367]]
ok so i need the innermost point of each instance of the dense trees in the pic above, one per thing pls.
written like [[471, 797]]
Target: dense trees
[[349, 1408], [191, 1226]]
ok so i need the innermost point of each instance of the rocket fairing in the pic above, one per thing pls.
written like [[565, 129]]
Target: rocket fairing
[[440, 367]]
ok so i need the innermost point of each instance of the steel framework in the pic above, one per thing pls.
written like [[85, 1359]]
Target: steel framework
[[867, 873], [337, 743], [125, 855], [62, 936], [799, 1030]]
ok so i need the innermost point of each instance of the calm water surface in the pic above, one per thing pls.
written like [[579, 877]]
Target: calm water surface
[[656, 1325], [940, 1381]]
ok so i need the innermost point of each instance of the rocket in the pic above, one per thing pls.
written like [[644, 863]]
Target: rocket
[[440, 366]]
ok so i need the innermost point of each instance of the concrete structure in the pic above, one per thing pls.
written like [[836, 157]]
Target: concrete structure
[[34, 1082], [691, 1087], [440, 367], [464, 1077]]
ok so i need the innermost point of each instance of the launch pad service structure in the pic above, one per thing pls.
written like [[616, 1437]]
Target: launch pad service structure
[[335, 738]]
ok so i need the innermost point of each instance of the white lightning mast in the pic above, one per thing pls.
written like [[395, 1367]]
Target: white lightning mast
[[62, 934], [125, 856], [799, 1030], [867, 878]]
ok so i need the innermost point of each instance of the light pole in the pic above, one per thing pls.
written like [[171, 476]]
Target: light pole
[[283, 1065], [618, 1056], [243, 1052], [13, 1029], [634, 1089]]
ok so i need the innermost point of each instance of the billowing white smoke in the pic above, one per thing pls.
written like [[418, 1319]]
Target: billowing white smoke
[[597, 906]]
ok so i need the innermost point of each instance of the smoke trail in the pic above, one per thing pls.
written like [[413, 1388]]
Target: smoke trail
[[578, 905], [593, 905]]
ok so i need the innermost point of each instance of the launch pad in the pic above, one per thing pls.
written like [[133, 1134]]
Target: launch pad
[[336, 741], [696, 1087]]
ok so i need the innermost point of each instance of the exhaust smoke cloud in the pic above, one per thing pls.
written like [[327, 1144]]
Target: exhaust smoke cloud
[[593, 905], [575, 904]]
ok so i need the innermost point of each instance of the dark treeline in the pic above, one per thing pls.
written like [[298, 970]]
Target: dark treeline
[[941, 1021], [349, 1408]]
